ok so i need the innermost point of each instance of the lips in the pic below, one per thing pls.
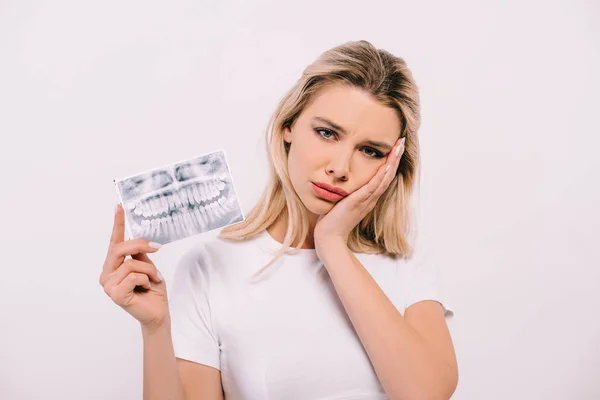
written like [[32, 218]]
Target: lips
[[320, 189], [332, 189]]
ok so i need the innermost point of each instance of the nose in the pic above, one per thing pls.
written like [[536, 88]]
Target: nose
[[339, 167]]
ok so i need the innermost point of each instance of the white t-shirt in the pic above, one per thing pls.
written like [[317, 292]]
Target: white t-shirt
[[283, 335]]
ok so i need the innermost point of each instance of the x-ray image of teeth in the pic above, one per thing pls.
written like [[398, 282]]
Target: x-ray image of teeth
[[179, 200]]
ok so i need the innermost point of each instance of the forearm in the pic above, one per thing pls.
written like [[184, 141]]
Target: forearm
[[407, 367], [161, 375]]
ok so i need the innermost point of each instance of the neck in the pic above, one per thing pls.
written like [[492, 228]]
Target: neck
[[279, 228]]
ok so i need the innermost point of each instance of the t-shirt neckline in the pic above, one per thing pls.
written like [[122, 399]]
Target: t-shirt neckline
[[273, 245]]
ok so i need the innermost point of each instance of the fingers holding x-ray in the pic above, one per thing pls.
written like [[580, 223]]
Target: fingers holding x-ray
[[179, 200]]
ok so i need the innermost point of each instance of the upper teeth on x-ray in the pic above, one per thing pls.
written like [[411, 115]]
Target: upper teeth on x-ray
[[180, 200]]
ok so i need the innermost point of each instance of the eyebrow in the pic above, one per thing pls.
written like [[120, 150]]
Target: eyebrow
[[337, 127]]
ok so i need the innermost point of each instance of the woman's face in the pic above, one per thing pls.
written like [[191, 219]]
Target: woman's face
[[340, 139]]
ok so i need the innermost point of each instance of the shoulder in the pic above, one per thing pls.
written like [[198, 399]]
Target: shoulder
[[420, 276], [221, 250], [399, 267], [211, 246], [418, 259], [211, 255]]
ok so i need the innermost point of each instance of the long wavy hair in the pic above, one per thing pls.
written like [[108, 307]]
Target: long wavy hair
[[387, 228]]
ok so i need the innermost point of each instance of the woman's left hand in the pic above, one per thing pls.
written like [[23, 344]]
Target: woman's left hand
[[337, 224]]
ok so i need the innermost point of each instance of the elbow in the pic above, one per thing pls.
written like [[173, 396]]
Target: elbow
[[447, 384], [441, 389], [439, 394], [447, 389], [447, 392]]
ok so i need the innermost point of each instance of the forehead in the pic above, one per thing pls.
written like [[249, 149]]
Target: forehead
[[355, 111]]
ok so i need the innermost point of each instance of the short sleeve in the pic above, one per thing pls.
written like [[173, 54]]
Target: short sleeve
[[194, 338], [422, 281]]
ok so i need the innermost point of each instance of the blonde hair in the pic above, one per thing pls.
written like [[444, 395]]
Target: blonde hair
[[386, 228]]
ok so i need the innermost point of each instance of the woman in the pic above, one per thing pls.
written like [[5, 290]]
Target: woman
[[352, 310]]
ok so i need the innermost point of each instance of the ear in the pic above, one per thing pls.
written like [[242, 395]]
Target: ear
[[287, 135]]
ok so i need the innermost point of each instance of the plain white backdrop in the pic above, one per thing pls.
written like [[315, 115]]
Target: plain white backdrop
[[91, 91]]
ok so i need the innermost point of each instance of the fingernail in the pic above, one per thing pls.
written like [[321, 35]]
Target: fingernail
[[160, 277], [155, 245], [116, 207], [400, 147], [387, 168]]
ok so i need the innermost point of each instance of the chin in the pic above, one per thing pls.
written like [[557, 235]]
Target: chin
[[316, 205]]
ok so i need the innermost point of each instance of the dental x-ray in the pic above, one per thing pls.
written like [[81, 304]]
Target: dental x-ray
[[179, 200]]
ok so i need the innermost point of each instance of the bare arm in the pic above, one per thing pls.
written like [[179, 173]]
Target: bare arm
[[170, 378], [413, 355], [161, 376]]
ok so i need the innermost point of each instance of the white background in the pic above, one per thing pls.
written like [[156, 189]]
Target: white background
[[92, 91]]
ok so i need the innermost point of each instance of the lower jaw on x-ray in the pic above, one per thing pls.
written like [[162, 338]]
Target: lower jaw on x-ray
[[179, 200]]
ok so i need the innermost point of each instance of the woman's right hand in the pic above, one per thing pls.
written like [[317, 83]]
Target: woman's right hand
[[135, 284]]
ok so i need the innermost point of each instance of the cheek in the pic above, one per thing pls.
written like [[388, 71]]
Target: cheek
[[302, 155], [304, 142], [294, 164], [364, 174]]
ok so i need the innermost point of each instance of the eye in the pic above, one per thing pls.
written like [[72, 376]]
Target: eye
[[327, 131], [374, 154]]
